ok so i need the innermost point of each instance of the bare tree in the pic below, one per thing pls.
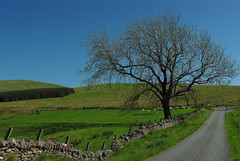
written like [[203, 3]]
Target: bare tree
[[193, 94], [165, 54]]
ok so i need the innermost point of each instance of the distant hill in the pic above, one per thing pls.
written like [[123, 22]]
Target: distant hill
[[113, 95], [13, 85], [16, 90]]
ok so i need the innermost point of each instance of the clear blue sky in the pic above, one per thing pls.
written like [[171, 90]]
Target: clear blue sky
[[42, 39]]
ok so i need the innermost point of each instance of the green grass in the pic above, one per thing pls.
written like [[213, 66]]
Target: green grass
[[13, 85], [106, 95], [233, 133], [95, 126], [51, 158], [158, 141]]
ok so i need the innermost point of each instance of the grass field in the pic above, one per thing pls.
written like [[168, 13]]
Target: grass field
[[95, 126], [154, 142], [114, 95], [233, 132]]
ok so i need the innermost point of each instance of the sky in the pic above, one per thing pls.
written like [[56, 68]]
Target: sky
[[43, 40]]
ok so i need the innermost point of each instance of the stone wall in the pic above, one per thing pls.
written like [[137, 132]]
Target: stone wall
[[145, 129], [30, 150]]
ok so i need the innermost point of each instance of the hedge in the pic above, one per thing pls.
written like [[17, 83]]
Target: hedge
[[34, 94]]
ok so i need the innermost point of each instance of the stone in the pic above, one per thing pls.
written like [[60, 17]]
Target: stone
[[3, 143], [8, 150]]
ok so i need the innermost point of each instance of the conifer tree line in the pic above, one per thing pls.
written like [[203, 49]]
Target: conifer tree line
[[34, 94]]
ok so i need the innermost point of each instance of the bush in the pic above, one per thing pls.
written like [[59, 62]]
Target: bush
[[107, 133]]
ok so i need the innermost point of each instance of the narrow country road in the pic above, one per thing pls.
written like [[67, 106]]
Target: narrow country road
[[209, 143]]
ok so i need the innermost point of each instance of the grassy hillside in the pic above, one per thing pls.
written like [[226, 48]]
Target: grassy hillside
[[106, 95], [13, 85], [28, 90]]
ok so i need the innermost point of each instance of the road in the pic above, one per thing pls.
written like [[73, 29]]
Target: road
[[208, 143]]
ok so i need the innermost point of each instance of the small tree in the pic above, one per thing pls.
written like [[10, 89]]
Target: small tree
[[192, 94], [168, 56]]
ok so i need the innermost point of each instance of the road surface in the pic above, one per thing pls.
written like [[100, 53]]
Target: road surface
[[209, 143]]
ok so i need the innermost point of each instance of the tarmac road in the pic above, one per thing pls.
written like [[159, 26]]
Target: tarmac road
[[209, 143]]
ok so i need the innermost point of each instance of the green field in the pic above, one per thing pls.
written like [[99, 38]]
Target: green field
[[233, 132], [96, 126]]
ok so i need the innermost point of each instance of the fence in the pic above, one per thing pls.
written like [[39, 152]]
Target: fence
[[29, 150]]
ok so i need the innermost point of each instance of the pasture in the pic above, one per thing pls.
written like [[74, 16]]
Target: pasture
[[94, 126]]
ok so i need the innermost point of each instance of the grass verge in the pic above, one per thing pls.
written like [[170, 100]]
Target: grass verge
[[233, 130], [158, 141]]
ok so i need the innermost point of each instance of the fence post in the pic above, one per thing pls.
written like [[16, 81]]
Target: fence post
[[67, 140], [9, 132], [130, 129], [39, 134], [103, 146], [88, 146]]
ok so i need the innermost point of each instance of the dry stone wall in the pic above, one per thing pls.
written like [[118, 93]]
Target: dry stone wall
[[145, 129], [30, 150]]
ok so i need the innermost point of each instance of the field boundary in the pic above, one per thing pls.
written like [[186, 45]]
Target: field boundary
[[30, 150]]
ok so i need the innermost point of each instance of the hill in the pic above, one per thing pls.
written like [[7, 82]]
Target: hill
[[15, 90], [113, 95], [13, 85]]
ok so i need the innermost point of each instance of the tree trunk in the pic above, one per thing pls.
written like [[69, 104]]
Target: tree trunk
[[166, 108], [187, 100]]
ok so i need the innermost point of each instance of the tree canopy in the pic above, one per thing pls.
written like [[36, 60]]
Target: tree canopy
[[167, 55]]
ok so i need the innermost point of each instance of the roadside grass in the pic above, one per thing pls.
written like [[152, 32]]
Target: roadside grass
[[157, 141], [94, 126], [232, 124]]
